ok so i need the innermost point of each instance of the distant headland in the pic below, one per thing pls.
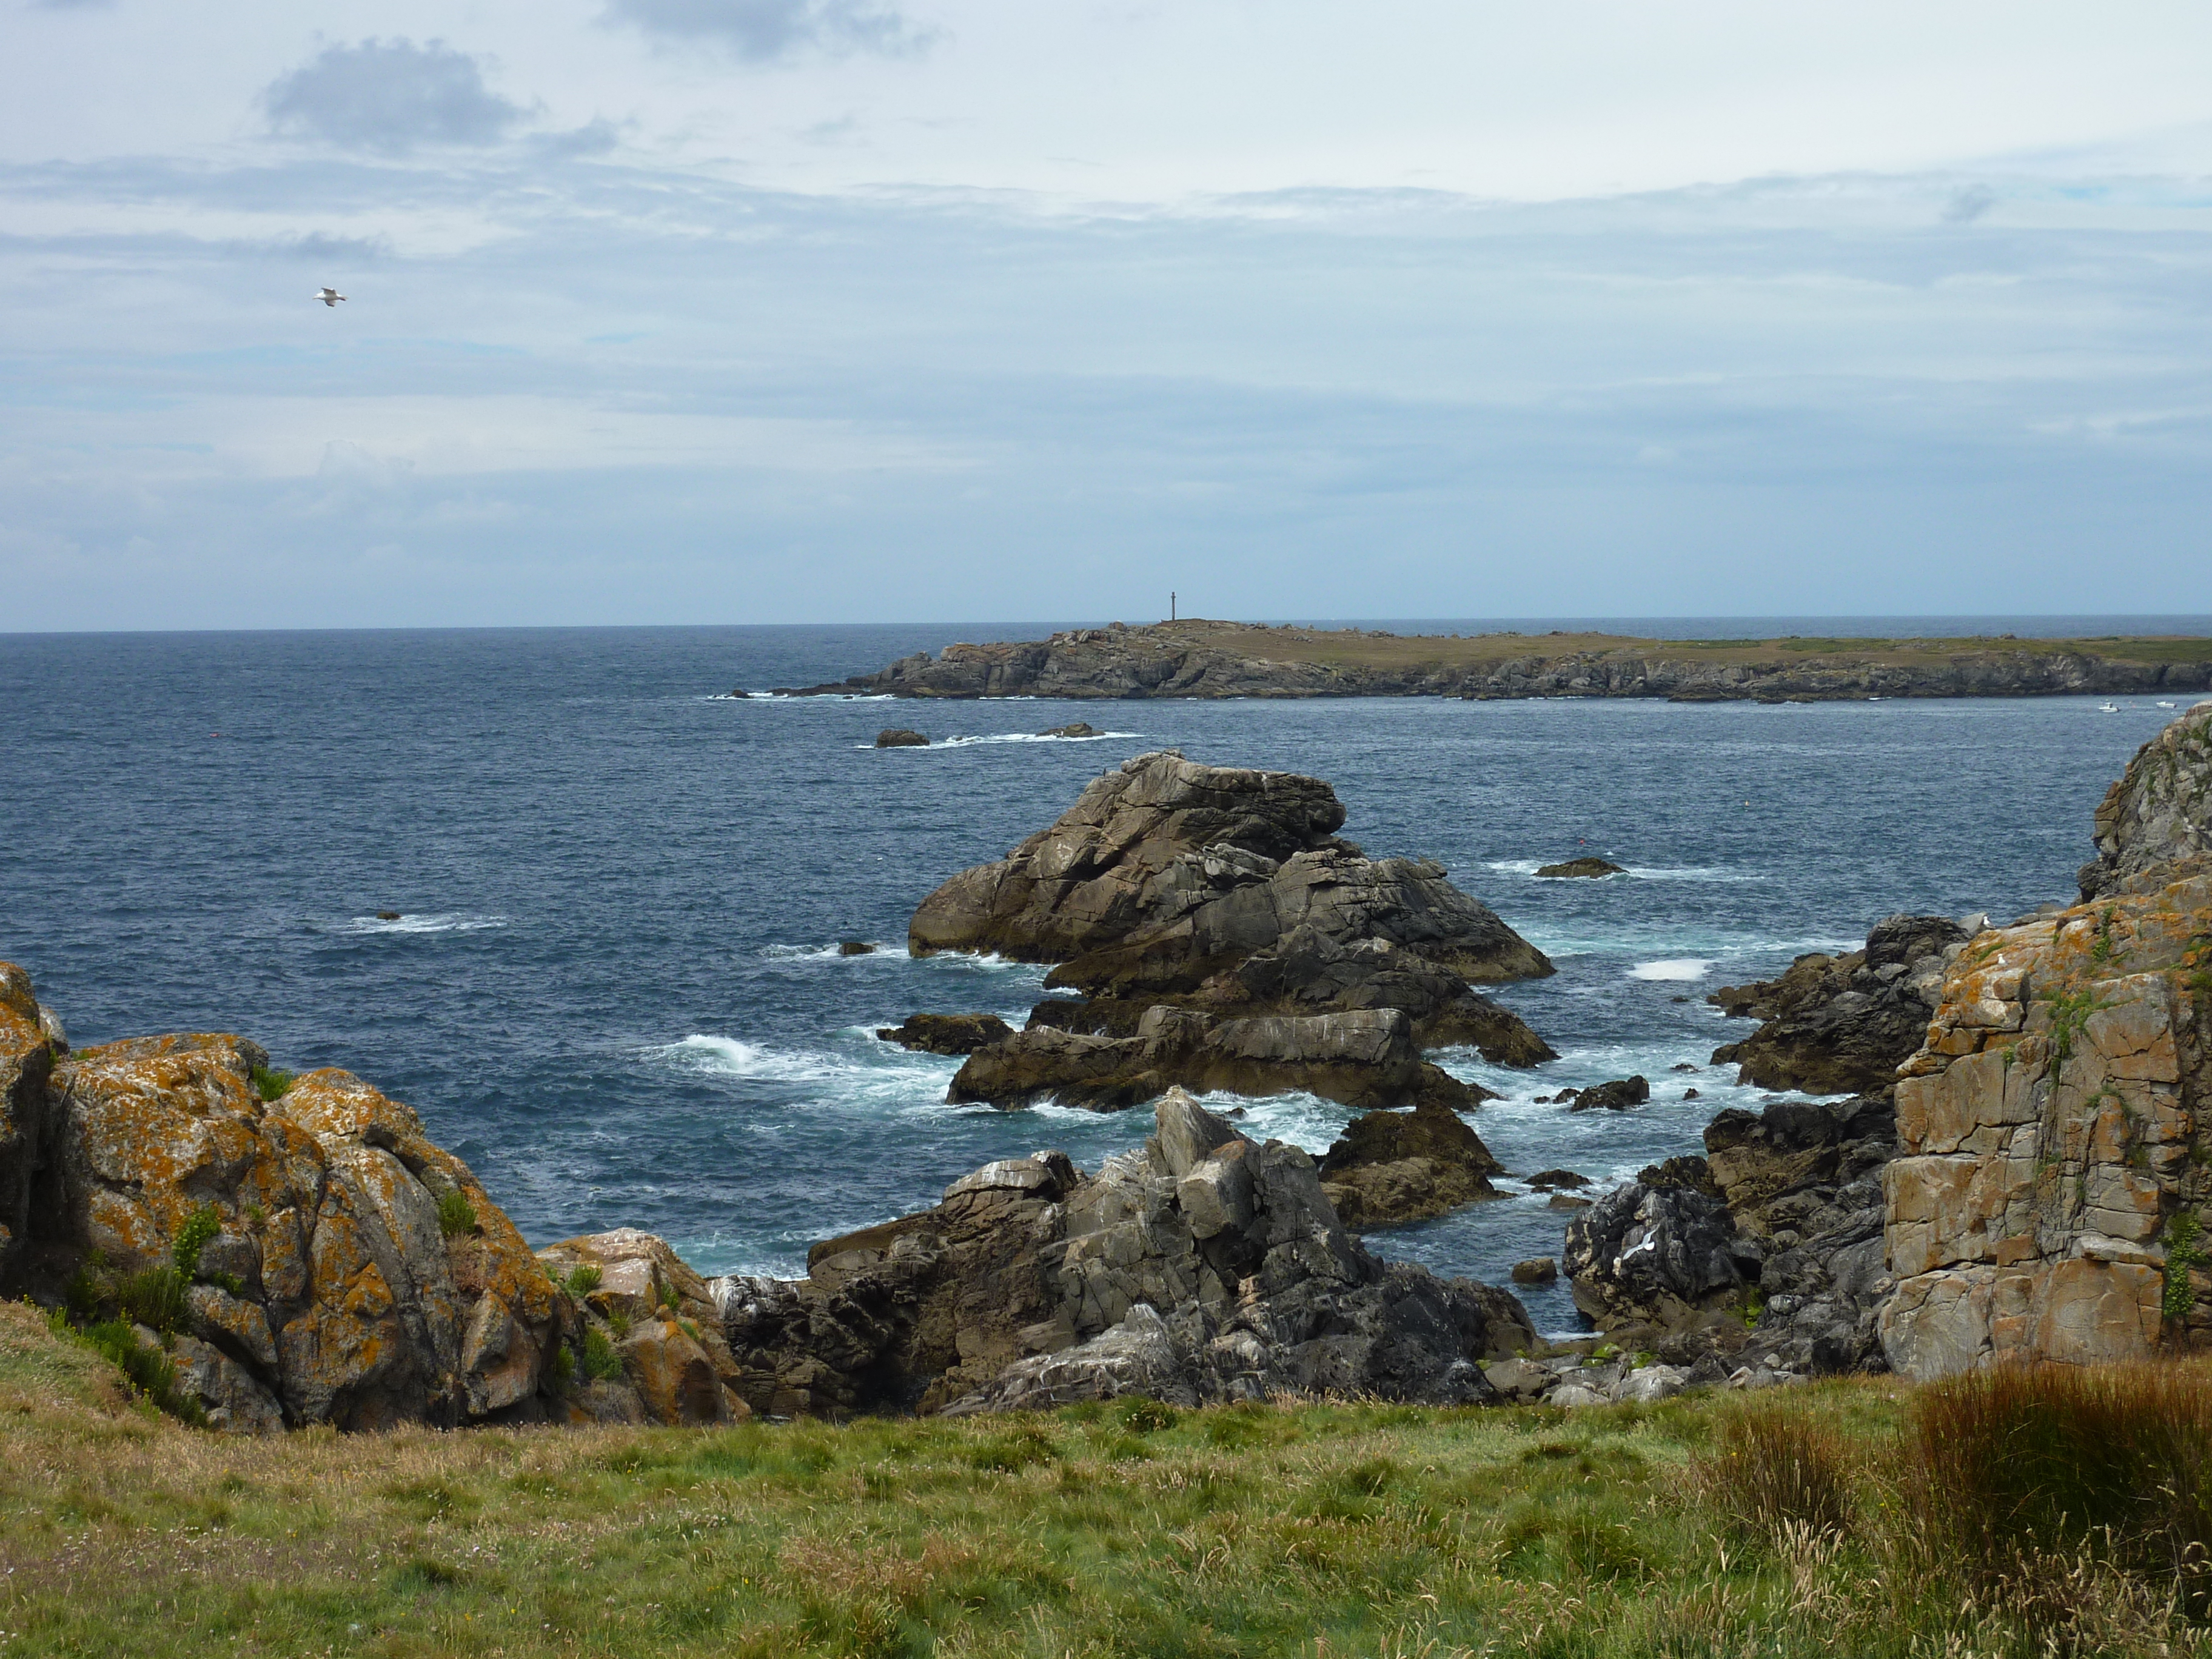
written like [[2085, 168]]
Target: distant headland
[[1195, 657]]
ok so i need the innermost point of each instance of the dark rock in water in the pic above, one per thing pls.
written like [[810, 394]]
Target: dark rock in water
[[2155, 825], [1615, 1096], [1689, 1094], [1568, 1201], [1389, 1168], [899, 737], [1200, 1267], [1537, 1270], [855, 947], [947, 1034], [737, 692], [387, 915], [1362, 1059], [1582, 867], [1682, 1065], [1551, 1180], [1844, 1024], [1080, 729]]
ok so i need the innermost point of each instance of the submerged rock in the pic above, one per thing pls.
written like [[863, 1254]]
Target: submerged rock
[[1615, 1096], [1202, 1266], [1079, 729], [947, 1034], [1583, 867], [855, 947], [900, 736]]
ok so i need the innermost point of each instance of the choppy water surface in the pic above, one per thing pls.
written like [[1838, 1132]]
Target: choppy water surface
[[614, 988]]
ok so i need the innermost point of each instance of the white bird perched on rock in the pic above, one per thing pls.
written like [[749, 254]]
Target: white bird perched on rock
[[329, 296]]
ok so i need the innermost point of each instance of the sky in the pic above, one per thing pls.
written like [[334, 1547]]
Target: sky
[[770, 310]]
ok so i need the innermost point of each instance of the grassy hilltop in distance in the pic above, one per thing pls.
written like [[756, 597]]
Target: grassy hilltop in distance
[[1199, 657]]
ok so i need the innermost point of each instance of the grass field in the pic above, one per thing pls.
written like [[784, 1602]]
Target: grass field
[[1348, 648], [1714, 1525]]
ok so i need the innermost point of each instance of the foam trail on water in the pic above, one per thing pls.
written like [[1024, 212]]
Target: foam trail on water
[[1681, 969], [439, 924]]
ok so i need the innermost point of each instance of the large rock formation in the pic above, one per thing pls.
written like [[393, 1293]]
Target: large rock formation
[[1225, 938], [29, 1039], [2159, 816], [1660, 1261], [347, 1271], [2051, 1199], [1202, 1266], [1844, 1024]]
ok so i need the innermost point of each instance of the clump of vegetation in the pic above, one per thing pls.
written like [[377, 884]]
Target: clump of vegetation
[[457, 1216], [583, 1279], [2184, 1248], [270, 1084], [1141, 1414], [154, 1297], [1775, 1468], [2009, 1467], [601, 1363]]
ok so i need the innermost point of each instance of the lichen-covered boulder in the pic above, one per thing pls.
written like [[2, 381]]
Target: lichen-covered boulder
[[352, 1273], [27, 1053]]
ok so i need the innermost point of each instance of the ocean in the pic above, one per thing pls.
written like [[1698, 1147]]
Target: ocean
[[615, 987]]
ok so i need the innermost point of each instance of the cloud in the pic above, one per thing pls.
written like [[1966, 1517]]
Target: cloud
[[1967, 204], [761, 30], [390, 96]]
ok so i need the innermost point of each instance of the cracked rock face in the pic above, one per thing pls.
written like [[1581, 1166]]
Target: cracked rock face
[[2157, 817], [2052, 1180], [1657, 1255], [1201, 1267]]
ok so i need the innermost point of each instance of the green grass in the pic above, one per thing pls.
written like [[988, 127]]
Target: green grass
[[271, 1084], [1316, 1530], [457, 1216]]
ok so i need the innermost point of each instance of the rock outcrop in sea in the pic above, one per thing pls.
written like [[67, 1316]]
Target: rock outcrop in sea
[[1225, 938], [1202, 1266], [1206, 659], [1840, 1024]]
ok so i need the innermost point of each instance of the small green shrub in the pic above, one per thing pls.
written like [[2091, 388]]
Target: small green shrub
[[83, 1293], [583, 1279], [601, 1363], [618, 1321], [1141, 1414], [2184, 1248], [271, 1084], [560, 1370], [154, 1298], [457, 1216], [195, 1235], [665, 1296]]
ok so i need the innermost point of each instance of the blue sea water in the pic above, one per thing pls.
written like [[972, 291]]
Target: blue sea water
[[614, 990]]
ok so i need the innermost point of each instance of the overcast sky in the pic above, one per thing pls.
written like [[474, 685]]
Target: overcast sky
[[796, 310]]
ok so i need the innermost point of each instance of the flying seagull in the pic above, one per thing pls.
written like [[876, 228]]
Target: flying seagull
[[330, 296]]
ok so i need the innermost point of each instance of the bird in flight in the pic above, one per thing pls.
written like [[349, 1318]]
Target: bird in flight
[[330, 296]]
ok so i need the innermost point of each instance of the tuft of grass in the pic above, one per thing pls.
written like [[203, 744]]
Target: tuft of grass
[[2184, 1248], [199, 1232], [583, 1279], [148, 1369], [270, 1084], [2011, 1466], [1775, 1467], [457, 1216], [154, 1297], [1141, 1414]]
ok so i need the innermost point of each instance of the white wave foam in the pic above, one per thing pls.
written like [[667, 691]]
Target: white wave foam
[[827, 953], [1682, 969], [453, 923], [1693, 872], [875, 1075]]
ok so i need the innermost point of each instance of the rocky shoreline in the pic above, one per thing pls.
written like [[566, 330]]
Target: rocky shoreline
[[2020, 1169], [1203, 659]]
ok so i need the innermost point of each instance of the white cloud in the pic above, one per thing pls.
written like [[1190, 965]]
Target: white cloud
[[390, 96]]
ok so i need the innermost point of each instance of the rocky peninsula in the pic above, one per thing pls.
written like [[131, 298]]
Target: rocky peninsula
[[1208, 658]]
